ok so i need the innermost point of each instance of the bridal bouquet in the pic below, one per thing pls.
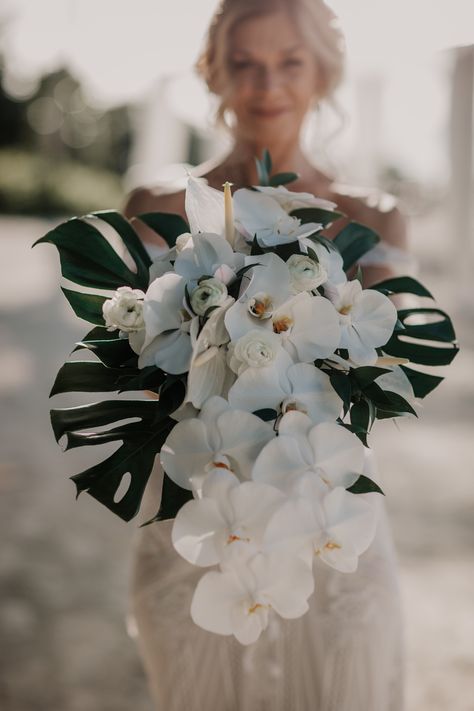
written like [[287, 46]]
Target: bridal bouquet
[[269, 367]]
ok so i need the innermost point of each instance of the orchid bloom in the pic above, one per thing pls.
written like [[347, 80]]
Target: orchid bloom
[[329, 452], [261, 216], [290, 200], [227, 522], [240, 599], [219, 437], [367, 320], [208, 255]]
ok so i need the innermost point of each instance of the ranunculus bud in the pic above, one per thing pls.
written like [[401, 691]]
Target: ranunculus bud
[[305, 273], [256, 349], [209, 292], [124, 310]]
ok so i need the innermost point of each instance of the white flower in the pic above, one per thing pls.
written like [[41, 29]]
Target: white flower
[[208, 255], [329, 452], [204, 207], [256, 349], [286, 387], [227, 523], [167, 323], [290, 201], [336, 526], [219, 437], [330, 260], [367, 320], [240, 600], [261, 216], [209, 292], [305, 273], [124, 310]]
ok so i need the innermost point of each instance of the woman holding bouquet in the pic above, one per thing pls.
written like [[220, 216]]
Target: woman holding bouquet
[[269, 62]]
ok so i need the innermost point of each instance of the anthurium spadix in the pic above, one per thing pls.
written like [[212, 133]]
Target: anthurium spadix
[[284, 386], [327, 451], [367, 320], [219, 437], [167, 326], [334, 525], [258, 215], [227, 522], [239, 600]]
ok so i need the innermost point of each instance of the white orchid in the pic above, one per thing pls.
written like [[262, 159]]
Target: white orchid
[[260, 216], [336, 526], [220, 437], [167, 325], [329, 452], [290, 200], [367, 320], [239, 600], [285, 387], [208, 255], [330, 260], [227, 523]]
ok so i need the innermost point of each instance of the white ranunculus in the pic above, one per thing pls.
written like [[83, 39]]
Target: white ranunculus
[[262, 216], [209, 292], [336, 525], [167, 325], [290, 201], [328, 451], [305, 273], [239, 600], [228, 521], [287, 386], [330, 260], [219, 437], [124, 310], [367, 320], [256, 349]]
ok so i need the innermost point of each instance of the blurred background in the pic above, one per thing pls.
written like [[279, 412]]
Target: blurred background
[[97, 97]]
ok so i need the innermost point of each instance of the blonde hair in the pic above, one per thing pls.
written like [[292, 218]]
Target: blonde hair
[[315, 20]]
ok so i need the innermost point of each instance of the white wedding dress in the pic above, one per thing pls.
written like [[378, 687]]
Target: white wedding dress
[[344, 654]]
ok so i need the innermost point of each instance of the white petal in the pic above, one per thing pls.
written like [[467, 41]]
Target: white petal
[[285, 582], [316, 331], [186, 452], [260, 388], [314, 393], [169, 351], [338, 452], [374, 316], [204, 207], [216, 593], [243, 435], [280, 463], [197, 532]]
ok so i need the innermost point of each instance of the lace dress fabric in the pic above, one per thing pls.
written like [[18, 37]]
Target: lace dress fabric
[[344, 654]]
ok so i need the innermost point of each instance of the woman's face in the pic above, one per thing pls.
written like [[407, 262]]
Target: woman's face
[[274, 78]]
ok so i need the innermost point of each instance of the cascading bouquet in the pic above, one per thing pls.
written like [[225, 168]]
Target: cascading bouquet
[[270, 367]]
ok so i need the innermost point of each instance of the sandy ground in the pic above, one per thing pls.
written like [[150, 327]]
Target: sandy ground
[[64, 567]]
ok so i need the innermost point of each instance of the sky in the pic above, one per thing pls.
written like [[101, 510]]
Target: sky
[[119, 49]]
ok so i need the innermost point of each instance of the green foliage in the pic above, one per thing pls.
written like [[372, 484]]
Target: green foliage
[[353, 241]]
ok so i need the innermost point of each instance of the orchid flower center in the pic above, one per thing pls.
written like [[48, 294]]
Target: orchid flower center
[[261, 306], [282, 324]]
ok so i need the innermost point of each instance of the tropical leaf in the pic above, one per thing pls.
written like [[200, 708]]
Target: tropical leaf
[[422, 383], [353, 241], [364, 485], [86, 306], [166, 224], [402, 285], [282, 179], [431, 343], [109, 348], [316, 214], [173, 497]]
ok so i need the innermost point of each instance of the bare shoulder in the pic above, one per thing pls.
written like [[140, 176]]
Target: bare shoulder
[[143, 200], [376, 209]]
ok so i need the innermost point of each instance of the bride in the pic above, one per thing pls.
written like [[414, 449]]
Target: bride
[[269, 61]]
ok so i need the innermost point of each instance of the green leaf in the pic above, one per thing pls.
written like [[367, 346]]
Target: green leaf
[[109, 348], [89, 377], [88, 259], [86, 306], [267, 414], [413, 342], [166, 224], [316, 214], [282, 179], [366, 374], [422, 383], [353, 241], [402, 285], [129, 237], [343, 387], [361, 419], [364, 485]]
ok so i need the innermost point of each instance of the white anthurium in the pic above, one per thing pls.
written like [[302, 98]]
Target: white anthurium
[[208, 372], [268, 287], [208, 255], [219, 437], [305, 273], [261, 216], [397, 382], [335, 526], [167, 324], [286, 387], [329, 452], [293, 201], [227, 522], [204, 207], [367, 320], [330, 259], [308, 326], [239, 601]]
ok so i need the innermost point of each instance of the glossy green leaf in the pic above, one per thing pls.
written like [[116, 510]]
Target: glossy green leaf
[[109, 348], [413, 342], [316, 214], [364, 485], [90, 377], [86, 306], [166, 224], [353, 241], [402, 285], [422, 383], [282, 179]]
